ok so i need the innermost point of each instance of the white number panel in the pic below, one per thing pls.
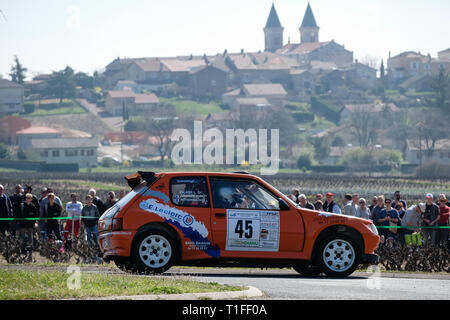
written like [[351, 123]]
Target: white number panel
[[251, 230]]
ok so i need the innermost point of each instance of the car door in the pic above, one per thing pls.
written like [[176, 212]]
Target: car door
[[247, 220], [190, 195]]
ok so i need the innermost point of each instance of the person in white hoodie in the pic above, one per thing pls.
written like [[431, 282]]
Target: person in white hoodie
[[73, 209]]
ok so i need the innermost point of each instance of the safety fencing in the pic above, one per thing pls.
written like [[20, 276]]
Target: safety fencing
[[75, 249], [416, 255]]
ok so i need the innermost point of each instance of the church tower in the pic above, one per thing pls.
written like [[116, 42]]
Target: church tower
[[309, 31], [273, 32]]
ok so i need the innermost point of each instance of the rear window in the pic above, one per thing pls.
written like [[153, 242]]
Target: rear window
[[189, 192]]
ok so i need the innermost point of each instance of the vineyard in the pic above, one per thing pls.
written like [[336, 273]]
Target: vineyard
[[64, 184]]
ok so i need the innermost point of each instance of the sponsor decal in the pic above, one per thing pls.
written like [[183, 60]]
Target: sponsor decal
[[325, 217], [186, 223], [325, 214], [156, 194]]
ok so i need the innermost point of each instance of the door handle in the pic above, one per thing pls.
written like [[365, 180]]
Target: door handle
[[220, 214]]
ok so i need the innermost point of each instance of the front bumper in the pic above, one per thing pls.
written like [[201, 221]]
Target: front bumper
[[370, 259]]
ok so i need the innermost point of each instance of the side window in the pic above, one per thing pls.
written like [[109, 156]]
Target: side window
[[244, 194], [189, 192]]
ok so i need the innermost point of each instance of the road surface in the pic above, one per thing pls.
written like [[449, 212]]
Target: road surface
[[287, 284]]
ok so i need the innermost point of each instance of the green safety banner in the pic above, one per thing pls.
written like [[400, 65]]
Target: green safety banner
[[55, 218], [424, 227]]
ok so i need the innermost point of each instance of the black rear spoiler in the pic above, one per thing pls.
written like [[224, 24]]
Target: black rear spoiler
[[136, 179]]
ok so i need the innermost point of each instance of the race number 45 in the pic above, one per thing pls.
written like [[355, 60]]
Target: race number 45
[[244, 228]]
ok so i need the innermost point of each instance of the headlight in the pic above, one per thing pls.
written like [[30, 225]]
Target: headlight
[[374, 228]]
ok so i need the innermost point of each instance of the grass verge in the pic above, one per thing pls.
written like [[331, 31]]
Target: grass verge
[[25, 285]]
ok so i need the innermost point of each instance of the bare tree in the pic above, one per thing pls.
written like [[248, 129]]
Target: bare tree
[[370, 60], [160, 129], [363, 125], [432, 128]]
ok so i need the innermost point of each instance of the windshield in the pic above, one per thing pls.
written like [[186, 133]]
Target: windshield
[[285, 197]]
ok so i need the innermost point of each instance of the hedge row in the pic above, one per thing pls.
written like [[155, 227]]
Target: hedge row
[[39, 166], [329, 112]]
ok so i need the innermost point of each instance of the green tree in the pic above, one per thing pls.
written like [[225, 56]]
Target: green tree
[[4, 152], [62, 84], [305, 161], [441, 85], [17, 71], [84, 80], [321, 147]]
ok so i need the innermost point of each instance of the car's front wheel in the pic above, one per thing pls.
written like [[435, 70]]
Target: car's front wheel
[[338, 256], [308, 270], [154, 251]]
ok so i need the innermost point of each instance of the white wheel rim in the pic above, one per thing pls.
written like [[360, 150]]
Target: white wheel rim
[[338, 255], [155, 251]]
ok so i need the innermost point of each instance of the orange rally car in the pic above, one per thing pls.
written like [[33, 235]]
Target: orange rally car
[[228, 219]]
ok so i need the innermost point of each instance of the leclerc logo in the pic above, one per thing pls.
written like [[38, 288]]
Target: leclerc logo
[[188, 220]]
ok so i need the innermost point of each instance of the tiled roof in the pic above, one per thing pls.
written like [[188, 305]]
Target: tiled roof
[[178, 65], [377, 107], [265, 89], [235, 92], [121, 93], [37, 130], [9, 84], [146, 98], [409, 54], [242, 61], [149, 64], [304, 47]]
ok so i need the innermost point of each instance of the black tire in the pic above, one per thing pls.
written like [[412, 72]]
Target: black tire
[[154, 251], [338, 256], [124, 264], [308, 270]]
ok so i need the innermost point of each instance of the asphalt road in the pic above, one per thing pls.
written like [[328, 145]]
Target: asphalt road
[[287, 284]]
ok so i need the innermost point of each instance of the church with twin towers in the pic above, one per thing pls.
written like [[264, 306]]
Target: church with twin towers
[[309, 48]]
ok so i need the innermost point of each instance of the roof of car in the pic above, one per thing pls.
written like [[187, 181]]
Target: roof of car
[[205, 173]]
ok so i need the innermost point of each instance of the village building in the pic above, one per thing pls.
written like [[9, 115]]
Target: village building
[[82, 151], [372, 108], [9, 125], [26, 136], [11, 96], [416, 154], [118, 102]]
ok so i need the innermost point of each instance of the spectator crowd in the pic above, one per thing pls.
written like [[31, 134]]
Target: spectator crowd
[[394, 220], [56, 222]]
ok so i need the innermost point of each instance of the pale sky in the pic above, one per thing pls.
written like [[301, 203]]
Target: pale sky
[[47, 35]]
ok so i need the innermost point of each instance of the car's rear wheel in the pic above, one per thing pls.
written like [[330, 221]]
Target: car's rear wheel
[[338, 256], [154, 251], [308, 270]]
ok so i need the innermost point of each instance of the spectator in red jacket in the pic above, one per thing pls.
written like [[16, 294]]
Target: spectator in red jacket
[[443, 221]]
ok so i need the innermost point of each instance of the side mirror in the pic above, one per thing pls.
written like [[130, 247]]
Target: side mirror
[[283, 204]]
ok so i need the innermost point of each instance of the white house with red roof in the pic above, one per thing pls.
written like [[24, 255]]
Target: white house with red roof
[[26, 136]]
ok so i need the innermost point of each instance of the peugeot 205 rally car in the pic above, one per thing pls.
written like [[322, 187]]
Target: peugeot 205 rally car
[[228, 219]]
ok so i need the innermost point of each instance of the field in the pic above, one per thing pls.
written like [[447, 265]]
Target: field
[[49, 107], [189, 106]]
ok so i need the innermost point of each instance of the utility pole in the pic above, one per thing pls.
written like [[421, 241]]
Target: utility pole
[[420, 149]]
